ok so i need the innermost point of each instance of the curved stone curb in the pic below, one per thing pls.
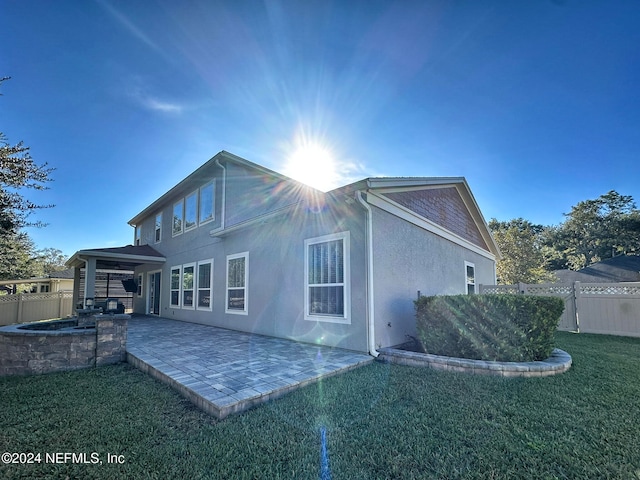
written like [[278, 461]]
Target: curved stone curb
[[559, 362]]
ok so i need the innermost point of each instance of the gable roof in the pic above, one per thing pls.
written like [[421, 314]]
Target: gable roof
[[623, 268], [207, 170], [444, 205], [394, 188], [123, 258]]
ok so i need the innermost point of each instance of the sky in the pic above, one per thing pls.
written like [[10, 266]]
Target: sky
[[535, 103]]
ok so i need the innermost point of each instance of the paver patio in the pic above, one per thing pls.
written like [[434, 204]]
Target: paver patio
[[225, 371]]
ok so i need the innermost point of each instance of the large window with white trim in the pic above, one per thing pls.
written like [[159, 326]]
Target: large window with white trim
[[470, 277], [176, 279], [158, 234], [178, 216], [237, 276], [327, 278], [206, 204], [205, 281], [188, 281], [191, 211]]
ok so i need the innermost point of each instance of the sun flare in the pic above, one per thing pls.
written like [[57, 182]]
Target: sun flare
[[313, 165]]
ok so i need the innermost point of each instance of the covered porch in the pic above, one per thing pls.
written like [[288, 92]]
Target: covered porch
[[118, 259]]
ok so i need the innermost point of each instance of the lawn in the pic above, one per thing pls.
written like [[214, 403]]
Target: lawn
[[379, 421]]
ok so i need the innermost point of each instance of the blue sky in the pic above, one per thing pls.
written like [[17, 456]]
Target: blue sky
[[536, 103]]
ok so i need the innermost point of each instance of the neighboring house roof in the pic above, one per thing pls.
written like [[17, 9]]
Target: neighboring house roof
[[623, 268], [120, 258], [61, 275]]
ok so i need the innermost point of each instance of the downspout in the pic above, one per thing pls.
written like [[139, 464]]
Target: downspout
[[370, 303]]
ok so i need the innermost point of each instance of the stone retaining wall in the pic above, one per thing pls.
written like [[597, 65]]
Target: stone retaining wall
[[28, 352], [559, 362]]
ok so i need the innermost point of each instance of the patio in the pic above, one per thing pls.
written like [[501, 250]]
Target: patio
[[224, 371]]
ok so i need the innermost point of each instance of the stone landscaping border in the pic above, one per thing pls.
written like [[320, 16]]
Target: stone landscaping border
[[559, 362]]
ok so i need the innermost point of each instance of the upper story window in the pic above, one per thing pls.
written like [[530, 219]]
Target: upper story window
[[137, 235], [158, 235], [470, 272], [191, 211], [327, 278], [207, 200], [178, 216]]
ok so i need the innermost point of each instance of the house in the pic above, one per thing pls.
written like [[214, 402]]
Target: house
[[239, 246], [622, 268], [51, 283]]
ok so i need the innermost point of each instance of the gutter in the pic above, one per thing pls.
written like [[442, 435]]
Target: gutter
[[370, 303]]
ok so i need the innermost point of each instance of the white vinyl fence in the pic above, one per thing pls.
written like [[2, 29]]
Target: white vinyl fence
[[608, 308], [31, 307]]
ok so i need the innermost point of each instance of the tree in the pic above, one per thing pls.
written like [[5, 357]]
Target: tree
[[597, 229], [18, 171], [49, 260], [524, 259], [17, 257]]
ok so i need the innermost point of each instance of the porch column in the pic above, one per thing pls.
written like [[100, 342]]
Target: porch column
[[76, 288], [89, 279]]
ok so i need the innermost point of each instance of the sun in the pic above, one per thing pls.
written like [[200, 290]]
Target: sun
[[313, 165]]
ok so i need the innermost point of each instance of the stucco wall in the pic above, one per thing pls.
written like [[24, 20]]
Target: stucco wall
[[409, 259], [276, 275]]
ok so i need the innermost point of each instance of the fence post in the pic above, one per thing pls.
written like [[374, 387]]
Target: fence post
[[20, 300], [60, 304], [576, 301]]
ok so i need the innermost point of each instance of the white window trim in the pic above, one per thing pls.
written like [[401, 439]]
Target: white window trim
[[197, 290], [193, 288], [235, 311], [175, 233], [213, 202], [171, 289], [137, 236], [195, 224], [140, 289], [346, 317], [466, 280], [157, 237]]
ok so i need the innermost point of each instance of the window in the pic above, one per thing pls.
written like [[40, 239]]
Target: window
[[175, 286], [237, 269], [327, 278], [44, 288], [470, 272], [158, 227], [137, 240], [178, 214], [205, 274], [191, 212], [187, 285], [140, 290], [206, 203]]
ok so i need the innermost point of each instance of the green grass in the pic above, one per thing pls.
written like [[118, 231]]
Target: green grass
[[381, 421]]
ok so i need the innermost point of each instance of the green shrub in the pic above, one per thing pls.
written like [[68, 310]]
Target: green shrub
[[511, 328]]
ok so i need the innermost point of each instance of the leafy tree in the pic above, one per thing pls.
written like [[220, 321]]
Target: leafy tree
[[595, 230], [17, 257], [524, 257], [49, 260], [18, 171]]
